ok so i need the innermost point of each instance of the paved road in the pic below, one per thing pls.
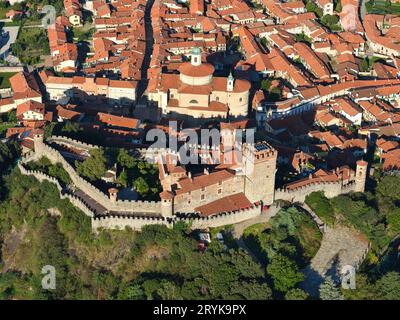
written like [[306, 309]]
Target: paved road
[[13, 33], [362, 9]]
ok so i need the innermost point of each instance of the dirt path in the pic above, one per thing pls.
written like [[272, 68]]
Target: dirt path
[[340, 246]]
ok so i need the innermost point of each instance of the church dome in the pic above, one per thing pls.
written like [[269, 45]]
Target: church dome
[[202, 70], [196, 73]]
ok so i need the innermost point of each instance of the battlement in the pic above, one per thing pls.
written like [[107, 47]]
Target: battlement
[[71, 142], [119, 214], [330, 188], [259, 151]]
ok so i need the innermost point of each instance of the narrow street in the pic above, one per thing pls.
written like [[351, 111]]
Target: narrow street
[[142, 86], [362, 9]]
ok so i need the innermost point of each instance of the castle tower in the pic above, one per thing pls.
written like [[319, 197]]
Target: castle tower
[[167, 203], [361, 175], [113, 194], [38, 137], [259, 168], [230, 82], [195, 56]]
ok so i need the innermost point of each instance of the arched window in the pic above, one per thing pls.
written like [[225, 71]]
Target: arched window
[[193, 101]]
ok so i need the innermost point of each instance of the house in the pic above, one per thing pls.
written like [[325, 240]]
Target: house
[[326, 6], [24, 88], [30, 110], [73, 10], [348, 109], [65, 114], [118, 121], [114, 92]]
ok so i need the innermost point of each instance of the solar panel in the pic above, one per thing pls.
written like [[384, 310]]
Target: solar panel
[[261, 147]]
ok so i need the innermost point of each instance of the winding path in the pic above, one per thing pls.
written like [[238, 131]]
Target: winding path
[[340, 246]]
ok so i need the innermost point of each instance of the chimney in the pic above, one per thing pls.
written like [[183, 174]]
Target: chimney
[[206, 171]]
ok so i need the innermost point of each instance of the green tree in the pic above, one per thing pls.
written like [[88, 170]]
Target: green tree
[[338, 6], [94, 166], [251, 290], [388, 287], [125, 159], [296, 294], [275, 94], [264, 42], [394, 221], [169, 291], [141, 186], [312, 7], [364, 66], [328, 290], [132, 292], [123, 178], [12, 116], [71, 127], [266, 84], [284, 273], [329, 20], [388, 187], [364, 289]]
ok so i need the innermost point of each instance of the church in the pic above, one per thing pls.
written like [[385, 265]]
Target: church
[[196, 93]]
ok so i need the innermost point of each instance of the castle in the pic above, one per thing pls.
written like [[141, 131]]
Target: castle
[[231, 185], [226, 193]]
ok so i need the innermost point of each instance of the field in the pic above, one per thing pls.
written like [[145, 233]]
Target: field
[[5, 79], [31, 44]]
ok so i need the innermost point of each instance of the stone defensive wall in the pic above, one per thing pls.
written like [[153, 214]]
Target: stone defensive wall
[[149, 153], [136, 223], [40, 176], [134, 214], [150, 207], [331, 190], [71, 142]]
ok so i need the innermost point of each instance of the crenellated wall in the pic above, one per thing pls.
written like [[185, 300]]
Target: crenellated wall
[[331, 190], [121, 222], [71, 142], [40, 176], [137, 222], [136, 214], [151, 207]]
